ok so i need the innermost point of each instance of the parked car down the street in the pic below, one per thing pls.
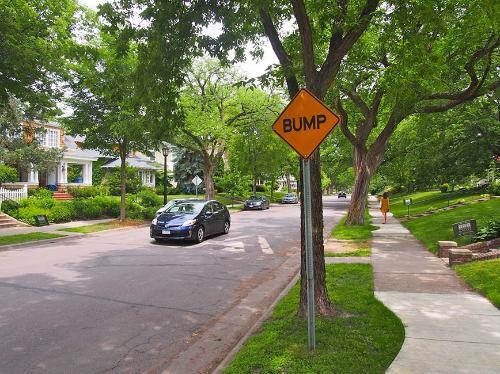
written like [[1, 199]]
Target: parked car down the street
[[256, 203], [191, 220], [342, 194], [290, 198]]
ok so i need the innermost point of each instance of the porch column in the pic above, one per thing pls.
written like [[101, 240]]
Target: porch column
[[85, 173], [32, 175], [89, 171], [62, 173], [153, 180]]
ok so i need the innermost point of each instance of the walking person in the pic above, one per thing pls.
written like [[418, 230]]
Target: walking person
[[384, 205]]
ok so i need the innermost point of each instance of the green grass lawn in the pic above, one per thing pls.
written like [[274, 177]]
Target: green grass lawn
[[366, 340], [429, 200], [94, 228], [104, 226], [438, 226], [353, 232], [363, 252], [23, 238], [483, 276]]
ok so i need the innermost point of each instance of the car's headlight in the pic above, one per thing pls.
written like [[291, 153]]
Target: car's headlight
[[155, 220], [258, 203], [191, 222]]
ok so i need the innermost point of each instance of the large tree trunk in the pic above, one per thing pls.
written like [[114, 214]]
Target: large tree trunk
[[123, 180], [322, 302], [208, 176], [365, 166], [254, 184], [288, 183]]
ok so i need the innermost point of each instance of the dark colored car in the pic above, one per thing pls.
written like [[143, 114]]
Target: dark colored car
[[342, 194], [290, 198], [191, 220], [172, 202], [256, 202]]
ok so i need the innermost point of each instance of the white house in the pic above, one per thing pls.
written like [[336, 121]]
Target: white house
[[74, 155]]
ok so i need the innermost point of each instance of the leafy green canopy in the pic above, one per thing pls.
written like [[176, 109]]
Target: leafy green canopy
[[35, 38]]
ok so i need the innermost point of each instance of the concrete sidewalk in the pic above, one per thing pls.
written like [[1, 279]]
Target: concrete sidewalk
[[449, 329], [52, 227]]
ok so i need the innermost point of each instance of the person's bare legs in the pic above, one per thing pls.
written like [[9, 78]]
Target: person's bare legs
[[385, 216]]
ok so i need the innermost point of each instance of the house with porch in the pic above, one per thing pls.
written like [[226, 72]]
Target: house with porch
[[75, 167]]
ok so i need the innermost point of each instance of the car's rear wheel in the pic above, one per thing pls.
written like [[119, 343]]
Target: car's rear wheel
[[227, 225], [199, 235]]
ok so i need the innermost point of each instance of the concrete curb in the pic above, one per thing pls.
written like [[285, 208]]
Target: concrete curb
[[219, 369], [229, 330]]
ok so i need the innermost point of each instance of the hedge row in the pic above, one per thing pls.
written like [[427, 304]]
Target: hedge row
[[80, 208]]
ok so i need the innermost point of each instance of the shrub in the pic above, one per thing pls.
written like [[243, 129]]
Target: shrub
[[148, 198], [88, 191], [494, 188], [86, 209], [109, 206], [40, 193], [132, 185], [10, 207], [135, 211], [62, 211], [260, 188], [7, 174], [26, 214], [44, 203], [490, 231], [444, 187]]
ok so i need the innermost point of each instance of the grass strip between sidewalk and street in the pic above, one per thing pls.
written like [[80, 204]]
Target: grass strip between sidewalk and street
[[102, 226], [354, 232], [30, 237], [362, 252], [483, 276], [364, 340]]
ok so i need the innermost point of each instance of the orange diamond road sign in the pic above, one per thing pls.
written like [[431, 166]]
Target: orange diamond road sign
[[305, 123]]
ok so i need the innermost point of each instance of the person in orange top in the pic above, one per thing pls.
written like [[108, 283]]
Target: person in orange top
[[384, 205]]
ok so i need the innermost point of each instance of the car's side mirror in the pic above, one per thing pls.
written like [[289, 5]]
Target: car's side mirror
[[208, 214]]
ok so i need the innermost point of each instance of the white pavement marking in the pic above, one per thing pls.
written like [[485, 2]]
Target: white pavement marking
[[233, 246], [230, 239], [264, 246]]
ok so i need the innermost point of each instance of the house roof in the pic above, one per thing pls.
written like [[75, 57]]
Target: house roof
[[136, 162], [73, 149]]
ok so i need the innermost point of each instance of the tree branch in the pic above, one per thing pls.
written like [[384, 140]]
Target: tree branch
[[304, 24], [476, 86], [283, 57], [344, 119], [339, 47]]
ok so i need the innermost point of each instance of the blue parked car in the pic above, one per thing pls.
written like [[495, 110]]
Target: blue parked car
[[191, 220]]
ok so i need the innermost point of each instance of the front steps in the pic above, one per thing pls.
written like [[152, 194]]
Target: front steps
[[7, 222], [62, 196]]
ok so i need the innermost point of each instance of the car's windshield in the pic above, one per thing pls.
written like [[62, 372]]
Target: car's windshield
[[289, 195], [255, 198], [184, 208]]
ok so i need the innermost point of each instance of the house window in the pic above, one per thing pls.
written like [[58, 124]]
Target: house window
[[52, 138], [148, 177]]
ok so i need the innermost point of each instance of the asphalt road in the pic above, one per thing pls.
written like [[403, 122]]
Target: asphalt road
[[117, 302]]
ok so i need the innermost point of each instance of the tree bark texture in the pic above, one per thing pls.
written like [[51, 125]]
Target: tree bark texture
[[208, 176], [322, 301], [123, 182]]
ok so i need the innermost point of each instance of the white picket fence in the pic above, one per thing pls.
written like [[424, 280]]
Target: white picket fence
[[18, 194]]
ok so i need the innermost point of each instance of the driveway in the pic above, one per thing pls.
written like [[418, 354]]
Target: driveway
[[118, 302]]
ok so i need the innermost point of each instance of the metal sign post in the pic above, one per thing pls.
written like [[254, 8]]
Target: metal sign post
[[311, 310], [304, 124], [197, 181]]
